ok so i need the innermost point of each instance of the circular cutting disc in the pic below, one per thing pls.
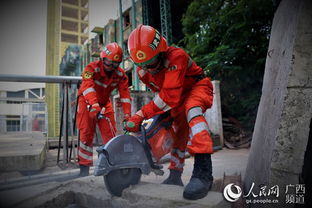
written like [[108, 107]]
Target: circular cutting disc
[[117, 180]]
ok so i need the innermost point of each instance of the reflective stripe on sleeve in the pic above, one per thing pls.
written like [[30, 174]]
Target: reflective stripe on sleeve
[[119, 73], [125, 100], [88, 90], [154, 85], [161, 104], [142, 72], [194, 112], [198, 128], [100, 83]]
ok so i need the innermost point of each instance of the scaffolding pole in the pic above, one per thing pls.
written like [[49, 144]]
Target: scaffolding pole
[[121, 29], [40, 79], [145, 13], [165, 20], [133, 26]]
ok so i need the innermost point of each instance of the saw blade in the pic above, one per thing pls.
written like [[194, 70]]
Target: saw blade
[[117, 180]]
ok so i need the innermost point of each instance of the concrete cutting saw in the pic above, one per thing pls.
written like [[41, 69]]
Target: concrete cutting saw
[[126, 157]]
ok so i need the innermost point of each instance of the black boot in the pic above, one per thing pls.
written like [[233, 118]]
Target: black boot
[[201, 180], [84, 170], [174, 178]]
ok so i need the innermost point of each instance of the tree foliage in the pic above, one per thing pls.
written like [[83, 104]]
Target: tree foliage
[[229, 39]]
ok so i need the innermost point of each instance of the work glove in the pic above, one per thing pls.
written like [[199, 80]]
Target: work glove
[[133, 124], [94, 111], [126, 118]]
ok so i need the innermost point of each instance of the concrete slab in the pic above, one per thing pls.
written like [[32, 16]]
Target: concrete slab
[[22, 151], [91, 192], [50, 190]]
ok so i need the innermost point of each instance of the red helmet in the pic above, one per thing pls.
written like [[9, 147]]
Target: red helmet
[[112, 51], [144, 44]]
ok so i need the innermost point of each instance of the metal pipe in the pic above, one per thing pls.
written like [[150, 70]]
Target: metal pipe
[[41, 79], [121, 29], [28, 100], [133, 26], [71, 126], [133, 14], [65, 123], [61, 128]]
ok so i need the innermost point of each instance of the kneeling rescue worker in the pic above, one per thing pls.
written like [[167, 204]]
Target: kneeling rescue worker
[[99, 79], [182, 88]]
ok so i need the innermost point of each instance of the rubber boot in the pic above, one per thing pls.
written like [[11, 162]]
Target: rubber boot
[[84, 171], [201, 180], [174, 178]]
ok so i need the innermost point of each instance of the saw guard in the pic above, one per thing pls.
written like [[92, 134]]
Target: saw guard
[[123, 151], [117, 180]]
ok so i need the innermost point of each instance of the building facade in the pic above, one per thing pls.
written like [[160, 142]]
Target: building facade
[[68, 24], [23, 110]]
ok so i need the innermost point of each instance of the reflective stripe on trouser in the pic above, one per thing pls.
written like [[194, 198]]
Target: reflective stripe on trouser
[[192, 106], [180, 126], [85, 154], [177, 159], [200, 139]]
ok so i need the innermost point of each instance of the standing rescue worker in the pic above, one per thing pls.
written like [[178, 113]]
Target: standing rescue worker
[[99, 79], [183, 89]]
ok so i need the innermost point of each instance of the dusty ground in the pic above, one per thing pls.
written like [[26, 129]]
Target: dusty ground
[[224, 161], [51, 191]]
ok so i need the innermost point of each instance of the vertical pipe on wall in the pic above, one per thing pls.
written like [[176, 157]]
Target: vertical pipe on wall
[[133, 26]]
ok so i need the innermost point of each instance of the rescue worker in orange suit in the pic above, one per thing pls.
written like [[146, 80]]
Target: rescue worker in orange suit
[[99, 79], [182, 88]]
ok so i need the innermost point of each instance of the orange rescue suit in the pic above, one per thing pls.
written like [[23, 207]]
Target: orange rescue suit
[[96, 87], [182, 88]]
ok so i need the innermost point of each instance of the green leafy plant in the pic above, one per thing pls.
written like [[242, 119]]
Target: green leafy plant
[[229, 39]]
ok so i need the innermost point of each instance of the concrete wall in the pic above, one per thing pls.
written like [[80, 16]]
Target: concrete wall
[[214, 115], [282, 126]]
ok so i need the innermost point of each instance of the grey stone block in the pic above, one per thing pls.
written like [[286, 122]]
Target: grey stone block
[[22, 151]]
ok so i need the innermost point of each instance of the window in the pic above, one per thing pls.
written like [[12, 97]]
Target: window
[[73, 2], [126, 17], [38, 107], [13, 123], [69, 38], [69, 12]]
